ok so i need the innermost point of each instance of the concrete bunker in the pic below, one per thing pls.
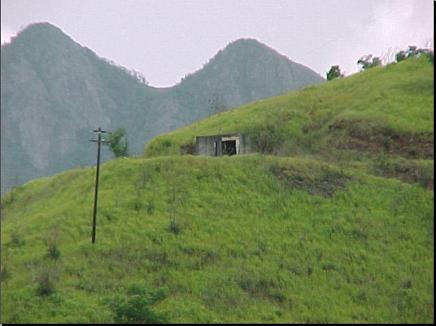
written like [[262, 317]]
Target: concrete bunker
[[218, 145]]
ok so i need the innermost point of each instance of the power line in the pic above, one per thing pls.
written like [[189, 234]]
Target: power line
[[99, 141]]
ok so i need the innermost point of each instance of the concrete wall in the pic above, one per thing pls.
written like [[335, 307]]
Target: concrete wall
[[245, 145], [211, 145], [206, 145]]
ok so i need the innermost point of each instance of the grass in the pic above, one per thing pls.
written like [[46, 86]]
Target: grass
[[385, 112], [333, 222], [260, 239]]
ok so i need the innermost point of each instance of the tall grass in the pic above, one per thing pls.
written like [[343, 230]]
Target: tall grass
[[261, 240]]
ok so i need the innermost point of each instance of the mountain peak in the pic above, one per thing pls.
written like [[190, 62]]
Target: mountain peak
[[248, 64], [40, 33], [41, 25], [248, 41], [40, 28], [248, 44]]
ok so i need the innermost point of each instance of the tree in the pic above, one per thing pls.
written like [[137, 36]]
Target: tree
[[140, 77], [334, 72], [422, 52], [368, 61], [429, 54], [118, 143], [400, 56], [413, 52], [376, 62]]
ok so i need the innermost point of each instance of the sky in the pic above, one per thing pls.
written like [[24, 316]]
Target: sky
[[167, 39]]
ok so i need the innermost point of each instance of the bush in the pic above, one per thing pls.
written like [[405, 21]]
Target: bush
[[368, 61], [118, 143], [267, 140], [150, 208], [174, 227], [401, 56], [46, 280], [167, 143], [4, 274], [334, 72], [137, 204], [413, 52], [135, 306], [429, 55], [53, 251], [17, 240], [189, 149]]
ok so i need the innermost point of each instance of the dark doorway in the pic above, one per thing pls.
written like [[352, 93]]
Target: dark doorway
[[228, 147]]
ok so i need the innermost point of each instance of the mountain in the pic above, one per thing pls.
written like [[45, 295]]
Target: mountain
[[54, 91], [244, 71], [333, 223]]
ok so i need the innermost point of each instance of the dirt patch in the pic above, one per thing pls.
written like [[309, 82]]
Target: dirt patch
[[188, 149], [372, 139], [406, 171], [323, 183]]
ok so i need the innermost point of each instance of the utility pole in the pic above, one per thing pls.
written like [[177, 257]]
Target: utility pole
[[99, 131]]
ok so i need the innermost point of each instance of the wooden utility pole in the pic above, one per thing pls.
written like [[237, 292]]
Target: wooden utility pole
[[99, 131]]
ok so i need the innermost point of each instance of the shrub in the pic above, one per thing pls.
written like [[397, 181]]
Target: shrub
[[137, 204], [150, 208], [334, 72], [267, 140], [16, 240], [135, 306], [189, 148], [175, 227], [413, 52], [401, 56], [167, 143], [429, 55], [175, 200], [118, 143], [46, 280], [368, 61], [53, 251], [4, 274]]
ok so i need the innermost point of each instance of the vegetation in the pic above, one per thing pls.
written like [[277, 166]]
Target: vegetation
[[261, 238], [368, 61], [413, 52], [380, 117], [135, 308], [336, 226], [118, 143], [334, 72]]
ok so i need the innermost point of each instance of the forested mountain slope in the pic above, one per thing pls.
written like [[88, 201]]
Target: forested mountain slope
[[54, 91]]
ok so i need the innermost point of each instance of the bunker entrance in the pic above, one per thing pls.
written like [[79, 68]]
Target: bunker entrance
[[217, 145], [228, 147]]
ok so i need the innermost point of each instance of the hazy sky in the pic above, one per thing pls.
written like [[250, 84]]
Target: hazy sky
[[167, 39]]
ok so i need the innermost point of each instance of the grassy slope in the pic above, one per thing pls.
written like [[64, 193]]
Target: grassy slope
[[250, 247], [380, 120], [399, 97], [260, 238]]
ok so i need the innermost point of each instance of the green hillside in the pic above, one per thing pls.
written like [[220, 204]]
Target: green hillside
[[380, 120], [328, 224]]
